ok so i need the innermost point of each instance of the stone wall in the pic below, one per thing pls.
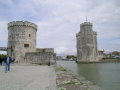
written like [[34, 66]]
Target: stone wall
[[41, 58]]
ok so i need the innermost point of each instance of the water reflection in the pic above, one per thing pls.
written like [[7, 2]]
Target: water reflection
[[91, 71]]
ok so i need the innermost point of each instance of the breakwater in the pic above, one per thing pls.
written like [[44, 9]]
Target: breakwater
[[67, 80], [101, 61]]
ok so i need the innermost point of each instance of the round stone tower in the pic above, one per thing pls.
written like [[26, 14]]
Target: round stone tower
[[21, 39]]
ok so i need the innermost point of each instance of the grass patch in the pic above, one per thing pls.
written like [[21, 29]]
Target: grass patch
[[63, 89], [70, 82], [62, 69]]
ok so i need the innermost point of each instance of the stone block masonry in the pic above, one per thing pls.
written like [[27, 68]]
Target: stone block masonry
[[40, 58], [86, 43], [22, 44]]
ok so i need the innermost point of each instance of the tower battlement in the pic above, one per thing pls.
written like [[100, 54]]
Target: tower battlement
[[86, 23], [22, 23]]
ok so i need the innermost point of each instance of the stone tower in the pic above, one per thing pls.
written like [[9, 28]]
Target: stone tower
[[86, 43], [21, 39]]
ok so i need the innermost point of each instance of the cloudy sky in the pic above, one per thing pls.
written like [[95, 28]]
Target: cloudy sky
[[59, 20]]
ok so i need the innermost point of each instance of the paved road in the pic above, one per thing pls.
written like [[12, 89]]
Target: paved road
[[28, 77]]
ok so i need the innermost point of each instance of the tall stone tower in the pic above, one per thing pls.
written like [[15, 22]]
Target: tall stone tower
[[21, 39], [86, 43]]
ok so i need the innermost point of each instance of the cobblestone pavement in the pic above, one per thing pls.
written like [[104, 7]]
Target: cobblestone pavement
[[28, 77]]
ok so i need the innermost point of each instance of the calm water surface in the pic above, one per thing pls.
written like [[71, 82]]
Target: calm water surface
[[105, 75]]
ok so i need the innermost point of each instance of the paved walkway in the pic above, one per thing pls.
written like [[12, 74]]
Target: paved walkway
[[28, 77]]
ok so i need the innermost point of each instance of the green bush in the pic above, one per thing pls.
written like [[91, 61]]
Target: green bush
[[2, 56]]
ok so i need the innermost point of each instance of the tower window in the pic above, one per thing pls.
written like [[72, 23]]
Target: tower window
[[26, 45], [29, 35]]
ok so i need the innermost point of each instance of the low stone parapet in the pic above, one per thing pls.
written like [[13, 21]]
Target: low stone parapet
[[40, 58]]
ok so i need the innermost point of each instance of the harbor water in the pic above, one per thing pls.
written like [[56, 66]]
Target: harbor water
[[105, 75]]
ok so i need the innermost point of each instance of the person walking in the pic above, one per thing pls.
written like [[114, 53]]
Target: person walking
[[7, 61]]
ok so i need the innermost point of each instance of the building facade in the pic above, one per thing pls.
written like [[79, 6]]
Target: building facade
[[86, 43]]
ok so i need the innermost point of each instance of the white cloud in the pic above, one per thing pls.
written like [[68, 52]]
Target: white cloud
[[59, 20], [3, 33]]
